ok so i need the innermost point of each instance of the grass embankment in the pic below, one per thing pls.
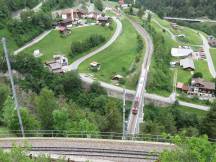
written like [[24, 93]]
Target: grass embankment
[[119, 58], [55, 44], [191, 36]]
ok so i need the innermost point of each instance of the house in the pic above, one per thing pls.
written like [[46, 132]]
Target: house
[[117, 77], [212, 41], [121, 2], [95, 66], [202, 88], [103, 20], [187, 64], [58, 64], [182, 87], [174, 25], [181, 52], [93, 15]]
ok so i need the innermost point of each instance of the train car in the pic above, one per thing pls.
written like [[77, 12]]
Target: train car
[[135, 106]]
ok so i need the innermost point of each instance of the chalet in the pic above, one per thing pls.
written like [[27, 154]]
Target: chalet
[[181, 52], [212, 41], [70, 13], [103, 20], [187, 64], [95, 66], [200, 87], [182, 87], [58, 64]]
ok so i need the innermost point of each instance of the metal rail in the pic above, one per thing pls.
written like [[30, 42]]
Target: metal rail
[[114, 153]]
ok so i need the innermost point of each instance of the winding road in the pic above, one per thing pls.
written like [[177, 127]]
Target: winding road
[[75, 65]]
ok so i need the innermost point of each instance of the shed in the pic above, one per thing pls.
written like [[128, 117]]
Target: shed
[[95, 65], [117, 77], [187, 64]]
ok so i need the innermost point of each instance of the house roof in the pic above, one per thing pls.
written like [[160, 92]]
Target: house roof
[[94, 63], [103, 18], [206, 84], [55, 65], [182, 86], [187, 63], [181, 52]]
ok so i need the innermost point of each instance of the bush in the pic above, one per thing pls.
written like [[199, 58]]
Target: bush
[[91, 42], [197, 75]]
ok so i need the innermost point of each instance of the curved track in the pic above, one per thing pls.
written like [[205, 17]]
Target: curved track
[[133, 122]]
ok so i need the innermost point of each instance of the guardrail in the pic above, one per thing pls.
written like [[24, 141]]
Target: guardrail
[[84, 134], [89, 134]]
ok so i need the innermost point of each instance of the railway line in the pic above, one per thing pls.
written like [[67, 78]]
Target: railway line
[[127, 155], [138, 103]]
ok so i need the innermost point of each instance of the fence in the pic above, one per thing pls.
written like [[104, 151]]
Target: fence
[[84, 134]]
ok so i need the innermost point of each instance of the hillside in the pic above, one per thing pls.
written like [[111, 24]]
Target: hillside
[[182, 8]]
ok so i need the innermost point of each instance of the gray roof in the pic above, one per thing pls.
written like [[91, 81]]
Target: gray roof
[[205, 84], [187, 63]]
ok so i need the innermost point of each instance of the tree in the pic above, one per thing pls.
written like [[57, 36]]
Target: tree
[[28, 120], [140, 12], [197, 75], [190, 150], [4, 92], [8, 109], [149, 17], [60, 119], [98, 4], [208, 123], [45, 104], [131, 10], [113, 117]]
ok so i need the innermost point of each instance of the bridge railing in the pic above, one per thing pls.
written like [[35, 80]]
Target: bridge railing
[[88, 134], [83, 134]]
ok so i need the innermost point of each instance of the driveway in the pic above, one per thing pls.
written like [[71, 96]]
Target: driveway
[[74, 66]]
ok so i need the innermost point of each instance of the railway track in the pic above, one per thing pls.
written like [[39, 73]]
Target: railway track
[[96, 152]]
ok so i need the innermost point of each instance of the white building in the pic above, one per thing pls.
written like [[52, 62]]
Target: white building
[[181, 52]]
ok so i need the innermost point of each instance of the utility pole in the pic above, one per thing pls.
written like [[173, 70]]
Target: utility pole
[[123, 117], [12, 85]]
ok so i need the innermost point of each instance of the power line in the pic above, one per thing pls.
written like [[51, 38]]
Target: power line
[[12, 85]]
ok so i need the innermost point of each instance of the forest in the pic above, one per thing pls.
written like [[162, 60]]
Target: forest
[[181, 8]]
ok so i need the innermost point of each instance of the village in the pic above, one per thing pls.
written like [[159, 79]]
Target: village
[[183, 58]]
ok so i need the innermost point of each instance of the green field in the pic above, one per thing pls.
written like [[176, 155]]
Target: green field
[[213, 55], [118, 58], [200, 113], [55, 44]]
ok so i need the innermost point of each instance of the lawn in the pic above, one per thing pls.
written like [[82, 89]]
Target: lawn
[[118, 58], [213, 55], [184, 76], [202, 66], [55, 44], [200, 113]]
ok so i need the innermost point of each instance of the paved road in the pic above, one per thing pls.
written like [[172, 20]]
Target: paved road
[[206, 48], [75, 65], [31, 43], [192, 20], [91, 144]]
